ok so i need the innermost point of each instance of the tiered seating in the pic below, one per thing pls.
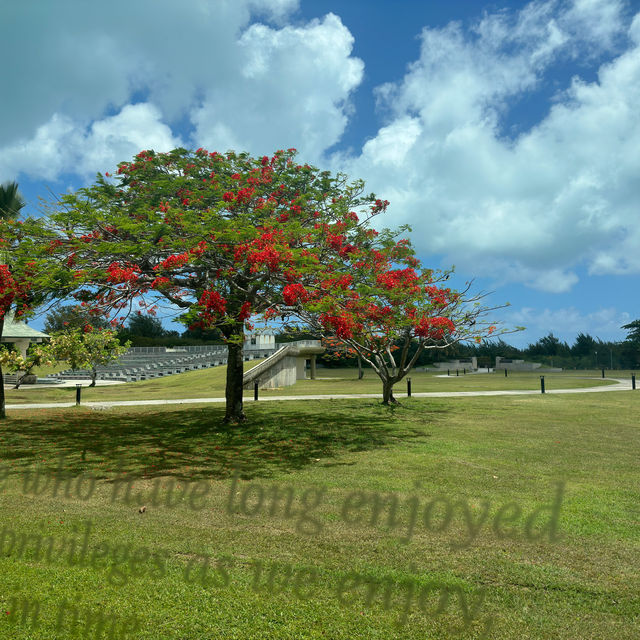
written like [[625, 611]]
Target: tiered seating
[[145, 363]]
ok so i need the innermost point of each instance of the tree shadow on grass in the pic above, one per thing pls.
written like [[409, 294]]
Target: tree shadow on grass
[[193, 442]]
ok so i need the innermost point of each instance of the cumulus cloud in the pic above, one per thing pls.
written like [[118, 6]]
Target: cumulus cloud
[[292, 90], [229, 72], [533, 208], [92, 87], [63, 145]]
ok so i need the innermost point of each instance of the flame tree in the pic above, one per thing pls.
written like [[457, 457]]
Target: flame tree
[[221, 237], [386, 303]]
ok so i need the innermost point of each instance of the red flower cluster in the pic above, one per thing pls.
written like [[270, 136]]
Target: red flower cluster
[[378, 314], [263, 251], [335, 241], [245, 195], [269, 256], [213, 303], [405, 279], [343, 282], [434, 328], [7, 289], [119, 273], [441, 297], [294, 293], [199, 249], [379, 206], [160, 282], [173, 261], [344, 326], [245, 311]]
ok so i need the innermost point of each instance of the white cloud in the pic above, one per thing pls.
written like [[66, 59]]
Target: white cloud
[[90, 89], [595, 21], [64, 146], [531, 209], [292, 90], [242, 82]]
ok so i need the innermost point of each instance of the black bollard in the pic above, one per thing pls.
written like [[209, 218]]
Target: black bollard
[[488, 369], [408, 387], [541, 384], [633, 380], [78, 392], [457, 372], [505, 373], [603, 373], [448, 372], [464, 371], [255, 390]]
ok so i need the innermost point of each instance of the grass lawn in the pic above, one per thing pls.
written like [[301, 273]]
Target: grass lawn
[[209, 383], [467, 564]]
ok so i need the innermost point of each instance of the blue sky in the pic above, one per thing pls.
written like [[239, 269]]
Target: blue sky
[[507, 134]]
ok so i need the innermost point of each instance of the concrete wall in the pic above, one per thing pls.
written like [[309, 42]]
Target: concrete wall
[[470, 364], [515, 365], [282, 374], [285, 366]]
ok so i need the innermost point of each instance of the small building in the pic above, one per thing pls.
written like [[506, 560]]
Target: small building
[[260, 339], [471, 364], [516, 365], [20, 334]]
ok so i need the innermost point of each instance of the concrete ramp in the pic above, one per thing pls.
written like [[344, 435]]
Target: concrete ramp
[[284, 367]]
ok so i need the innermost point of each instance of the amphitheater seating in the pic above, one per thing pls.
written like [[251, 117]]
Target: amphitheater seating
[[145, 363]]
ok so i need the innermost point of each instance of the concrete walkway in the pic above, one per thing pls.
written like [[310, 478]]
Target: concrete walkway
[[621, 385]]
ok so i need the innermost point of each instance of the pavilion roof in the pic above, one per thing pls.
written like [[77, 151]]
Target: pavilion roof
[[18, 329]]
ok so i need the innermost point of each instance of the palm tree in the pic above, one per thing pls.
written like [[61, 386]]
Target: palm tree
[[10, 200]]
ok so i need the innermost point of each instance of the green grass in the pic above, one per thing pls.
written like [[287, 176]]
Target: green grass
[[501, 450], [210, 383]]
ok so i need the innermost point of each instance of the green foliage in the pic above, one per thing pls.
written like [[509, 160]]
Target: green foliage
[[548, 345], [145, 326], [11, 202], [72, 317], [634, 331], [87, 348], [38, 355]]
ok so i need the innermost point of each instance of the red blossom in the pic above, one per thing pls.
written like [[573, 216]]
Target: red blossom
[[293, 293], [405, 279], [119, 273], [7, 289], [174, 261], [344, 325], [245, 311], [213, 303], [160, 282], [434, 328]]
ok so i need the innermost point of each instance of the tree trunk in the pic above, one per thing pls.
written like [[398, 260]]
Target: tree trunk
[[387, 393], [19, 379], [94, 374], [235, 369], [360, 371], [3, 413]]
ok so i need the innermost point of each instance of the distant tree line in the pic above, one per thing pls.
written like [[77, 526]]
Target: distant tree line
[[586, 352], [142, 330]]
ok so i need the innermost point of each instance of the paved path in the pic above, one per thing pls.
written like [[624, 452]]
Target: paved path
[[621, 385]]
